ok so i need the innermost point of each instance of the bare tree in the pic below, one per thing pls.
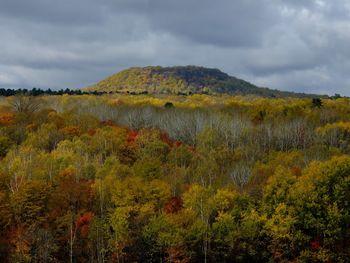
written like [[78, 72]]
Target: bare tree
[[22, 103], [240, 174]]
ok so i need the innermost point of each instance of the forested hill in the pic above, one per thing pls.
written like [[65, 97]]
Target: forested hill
[[183, 80]]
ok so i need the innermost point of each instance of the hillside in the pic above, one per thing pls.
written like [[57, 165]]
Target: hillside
[[182, 80]]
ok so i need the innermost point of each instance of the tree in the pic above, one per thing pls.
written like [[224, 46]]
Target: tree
[[70, 201], [336, 135], [168, 105], [322, 209], [197, 199], [29, 203], [159, 235], [151, 143], [135, 201], [25, 104], [316, 103]]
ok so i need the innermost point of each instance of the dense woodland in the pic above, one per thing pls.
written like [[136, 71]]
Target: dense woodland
[[119, 178]]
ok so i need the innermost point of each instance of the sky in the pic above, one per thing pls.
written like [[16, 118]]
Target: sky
[[295, 45]]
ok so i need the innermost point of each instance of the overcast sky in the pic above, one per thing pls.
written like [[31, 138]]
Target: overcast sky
[[296, 45]]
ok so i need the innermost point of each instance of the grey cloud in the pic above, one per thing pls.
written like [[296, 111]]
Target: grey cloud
[[285, 44], [225, 23], [53, 12]]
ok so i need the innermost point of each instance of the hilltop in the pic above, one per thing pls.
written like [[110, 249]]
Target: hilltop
[[183, 80]]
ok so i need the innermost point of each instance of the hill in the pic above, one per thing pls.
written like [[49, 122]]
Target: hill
[[183, 80]]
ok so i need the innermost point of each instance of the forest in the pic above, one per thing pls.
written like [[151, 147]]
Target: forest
[[165, 178]]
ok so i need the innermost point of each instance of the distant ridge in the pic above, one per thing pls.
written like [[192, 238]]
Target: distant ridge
[[183, 80]]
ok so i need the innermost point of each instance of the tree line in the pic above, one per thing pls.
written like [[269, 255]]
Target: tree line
[[40, 92]]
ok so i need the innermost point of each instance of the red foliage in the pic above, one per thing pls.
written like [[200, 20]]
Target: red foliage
[[178, 143], [71, 192], [83, 223], [174, 205], [165, 138], [132, 135], [315, 244]]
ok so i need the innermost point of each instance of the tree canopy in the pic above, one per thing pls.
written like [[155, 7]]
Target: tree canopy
[[120, 178]]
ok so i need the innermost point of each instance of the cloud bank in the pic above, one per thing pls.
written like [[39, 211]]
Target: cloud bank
[[284, 44]]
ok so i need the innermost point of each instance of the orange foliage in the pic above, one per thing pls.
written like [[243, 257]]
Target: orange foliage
[[55, 118], [67, 173], [7, 118], [296, 171], [174, 205], [91, 132], [177, 255], [117, 102], [20, 240], [31, 127], [71, 131], [108, 123]]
